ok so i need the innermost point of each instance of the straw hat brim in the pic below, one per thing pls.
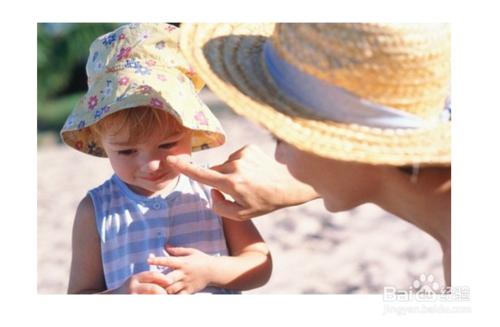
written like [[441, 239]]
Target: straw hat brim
[[229, 59]]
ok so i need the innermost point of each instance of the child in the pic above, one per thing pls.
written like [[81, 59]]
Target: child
[[149, 229]]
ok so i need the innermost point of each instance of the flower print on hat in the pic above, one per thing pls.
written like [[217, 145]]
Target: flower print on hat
[[124, 53], [170, 28], [92, 102], [70, 121], [109, 39], [141, 65], [200, 118], [108, 89], [143, 70], [156, 103], [79, 145], [145, 89], [181, 78], [123, 80], [160, 45]]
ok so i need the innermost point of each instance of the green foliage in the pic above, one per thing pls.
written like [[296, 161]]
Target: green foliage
[[61, 50], [62, 47], [52, 113]]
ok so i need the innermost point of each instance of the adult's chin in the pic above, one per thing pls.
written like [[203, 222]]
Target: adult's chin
[[333, 205]]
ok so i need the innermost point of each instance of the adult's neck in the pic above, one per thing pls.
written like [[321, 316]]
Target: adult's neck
[[426, 203]]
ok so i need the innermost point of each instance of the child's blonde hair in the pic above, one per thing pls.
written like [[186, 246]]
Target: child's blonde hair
[[140, 122]]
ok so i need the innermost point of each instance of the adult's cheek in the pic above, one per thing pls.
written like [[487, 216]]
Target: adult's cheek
[[287, 155], [280, 152]]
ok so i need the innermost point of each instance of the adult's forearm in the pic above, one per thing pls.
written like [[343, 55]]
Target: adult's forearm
[[299, 193]]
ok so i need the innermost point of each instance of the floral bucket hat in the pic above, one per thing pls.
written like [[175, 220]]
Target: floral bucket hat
[[140, 65]]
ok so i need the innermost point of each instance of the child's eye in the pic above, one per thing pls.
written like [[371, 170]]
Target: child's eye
[[126, 152], [168, 145]]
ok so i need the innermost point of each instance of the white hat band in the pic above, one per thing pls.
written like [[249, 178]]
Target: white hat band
[[330, 102]]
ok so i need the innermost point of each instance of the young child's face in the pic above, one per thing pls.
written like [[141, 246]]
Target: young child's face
[[143, 166]]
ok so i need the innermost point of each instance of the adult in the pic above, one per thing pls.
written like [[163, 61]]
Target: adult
[[359, 111]]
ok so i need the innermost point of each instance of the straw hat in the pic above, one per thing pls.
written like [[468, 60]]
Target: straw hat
[[370, 93], [140, 65]]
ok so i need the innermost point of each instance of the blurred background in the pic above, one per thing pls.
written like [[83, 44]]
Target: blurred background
[[61, 57], [314, 252]]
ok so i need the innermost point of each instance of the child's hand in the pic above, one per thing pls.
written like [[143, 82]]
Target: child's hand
[[146, 282], [192, 269]]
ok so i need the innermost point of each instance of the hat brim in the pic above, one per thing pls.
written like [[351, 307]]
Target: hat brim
[[229, 59]]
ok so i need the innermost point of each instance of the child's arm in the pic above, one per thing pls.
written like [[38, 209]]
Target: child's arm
[[249, 265], [87, 276]]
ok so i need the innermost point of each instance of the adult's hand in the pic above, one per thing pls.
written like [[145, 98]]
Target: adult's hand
[[257, 183]]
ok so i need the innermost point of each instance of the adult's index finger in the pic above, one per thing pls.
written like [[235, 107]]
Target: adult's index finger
[[203, 175]]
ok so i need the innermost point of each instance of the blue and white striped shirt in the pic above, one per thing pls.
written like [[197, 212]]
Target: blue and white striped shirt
[[132, 226]]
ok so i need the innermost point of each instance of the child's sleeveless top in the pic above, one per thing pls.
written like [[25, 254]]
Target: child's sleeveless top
[[132, 226]]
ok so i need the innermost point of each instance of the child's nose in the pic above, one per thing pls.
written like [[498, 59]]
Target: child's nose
[[151, 166]]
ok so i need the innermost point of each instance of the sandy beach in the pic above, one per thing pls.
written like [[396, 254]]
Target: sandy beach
[[356, 252]]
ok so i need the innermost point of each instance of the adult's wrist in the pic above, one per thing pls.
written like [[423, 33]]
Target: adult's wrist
[[304, 193]]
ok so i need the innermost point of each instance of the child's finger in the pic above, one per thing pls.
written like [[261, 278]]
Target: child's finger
[[169, 262], [151, 289], [174, 277], [175, 288], [179, 251], [154, 277]]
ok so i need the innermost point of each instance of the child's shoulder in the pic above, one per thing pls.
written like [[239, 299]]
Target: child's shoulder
[[105, 188], [85, 209], [99, 195], [84, 225]]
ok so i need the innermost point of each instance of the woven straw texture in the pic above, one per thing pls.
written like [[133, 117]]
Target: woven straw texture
[[402, 66]]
